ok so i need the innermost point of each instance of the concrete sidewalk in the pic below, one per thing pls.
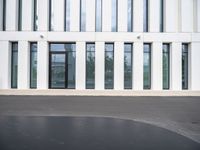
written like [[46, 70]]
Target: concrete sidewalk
[[68, 92], [178, 114]]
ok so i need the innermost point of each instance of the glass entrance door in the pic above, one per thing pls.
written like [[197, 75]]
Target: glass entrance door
[[57, 70]]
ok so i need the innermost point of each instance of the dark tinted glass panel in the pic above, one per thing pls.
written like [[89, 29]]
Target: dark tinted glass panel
[[145, 15], [33, 65], [62, 65], [67, 15], [83, 15], [14, 65], [58, 71], [166, 66], [71, 63], [51, 15], [19, 15], [4, 15], [98, 15], [161, 15], [35, 17], [130, 15], [147, 66], [114, 15], [128, 66], [185, 66], [90, 66], [109, 66]]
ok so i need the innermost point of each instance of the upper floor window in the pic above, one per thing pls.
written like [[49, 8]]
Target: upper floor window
[[51, 15], [145, 15], [166, 66], [98, 15], [35, 15], [147, 66], [185, 48], [130, 15], [3, 15], [33, 65], [82, 15], [14, 65], [114, 15], [67, 15], [161, 15], [19, 15]]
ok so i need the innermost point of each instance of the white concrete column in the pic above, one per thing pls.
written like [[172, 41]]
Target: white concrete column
[[58, 15], [176, 66], [171, 15], [80, 65], [99, 65], [138, 66], [119, 66], [187, 13], [106, 15], [5, 67], [23, 65], [154, 15], [27, 15], [90, 15], [194, 64], [156, 66], [74, 15], [138, 15], [122, 15], [1, 15], [43, 15], [43, 65], [11, 15]]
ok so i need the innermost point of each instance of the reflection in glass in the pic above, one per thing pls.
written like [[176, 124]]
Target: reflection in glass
[[109, 66], [90, 66], [67, 15], [130, 15], [145, 15], [62, 65], [19, 15], [166, 66], [184, 66], [51, 15], [161, 15], [4, 15], [14, 65], [98, 15], [114, 15], [35, 15], [128, 66], [33, 65], [58, 70], [83, 15], [147, 66]]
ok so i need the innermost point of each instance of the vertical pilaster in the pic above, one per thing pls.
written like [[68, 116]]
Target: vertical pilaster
[[43, 15], [154, 15], [106, 17], [80, 65], [138, 15], [122, 15], [27, 15], [74, 15], [90, 15]]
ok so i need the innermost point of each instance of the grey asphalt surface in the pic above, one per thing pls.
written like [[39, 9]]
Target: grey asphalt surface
[[178, 114]]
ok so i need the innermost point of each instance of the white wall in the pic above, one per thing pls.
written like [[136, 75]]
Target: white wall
[[27, 15]]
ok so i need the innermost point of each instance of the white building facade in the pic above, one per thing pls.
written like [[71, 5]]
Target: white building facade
[[100, 44]]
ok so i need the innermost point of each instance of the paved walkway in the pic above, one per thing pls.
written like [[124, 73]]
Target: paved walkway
[[178, 114]]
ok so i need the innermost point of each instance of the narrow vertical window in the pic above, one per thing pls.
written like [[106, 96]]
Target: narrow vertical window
[[185, 66], [166, 66], [19, 15], [82, 15], [147, 66], [98, 15], [128, 59], [90, 66], [14, 65], [145, 16], [51, 15], [33, 65], [109, 66], [130, 16], [114, 15], [35, 15], [4, 16], [161, 15], [67, 15]]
